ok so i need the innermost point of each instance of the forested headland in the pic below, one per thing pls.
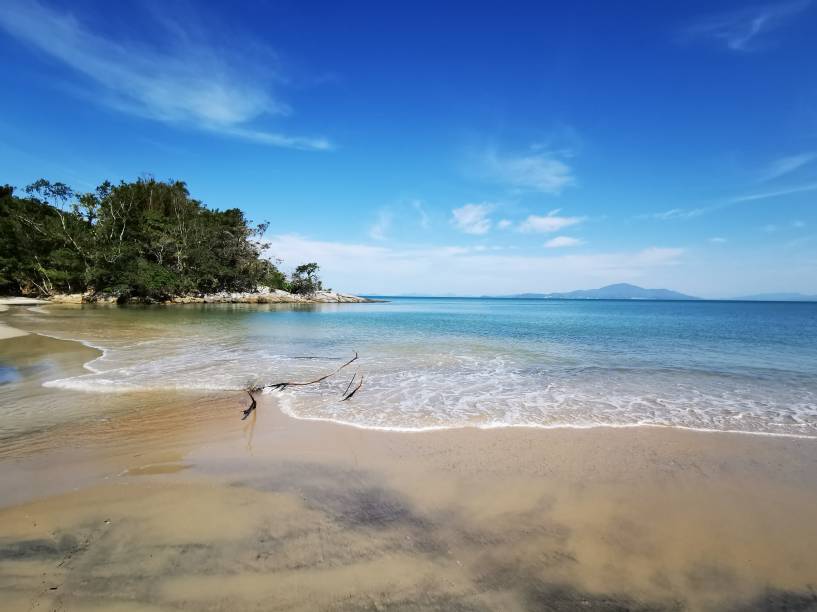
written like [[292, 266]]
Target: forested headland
[[142, 239]]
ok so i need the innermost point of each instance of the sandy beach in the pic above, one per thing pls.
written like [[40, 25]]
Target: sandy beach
[[172, 502], [6, 331], [9, 332], [408, 307]]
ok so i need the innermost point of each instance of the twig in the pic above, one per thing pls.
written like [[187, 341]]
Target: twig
[[283, 385], [355, 390], [251, 407], [349, 386]]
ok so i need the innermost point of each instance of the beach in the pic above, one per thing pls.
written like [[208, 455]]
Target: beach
[[6, 331], [167, 500], [408, 307]]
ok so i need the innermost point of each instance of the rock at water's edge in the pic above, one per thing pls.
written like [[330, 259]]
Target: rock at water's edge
[[265, 296]]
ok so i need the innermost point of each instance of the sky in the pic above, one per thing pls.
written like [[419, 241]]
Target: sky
[[446, 148]]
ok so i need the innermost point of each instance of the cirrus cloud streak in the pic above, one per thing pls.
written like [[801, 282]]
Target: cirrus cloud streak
[[189, 81]]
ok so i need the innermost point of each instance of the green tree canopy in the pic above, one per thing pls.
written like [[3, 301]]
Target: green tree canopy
[[305, 279], [145, 238]]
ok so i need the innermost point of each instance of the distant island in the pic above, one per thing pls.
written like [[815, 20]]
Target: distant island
[[618, 291], [626, 291]]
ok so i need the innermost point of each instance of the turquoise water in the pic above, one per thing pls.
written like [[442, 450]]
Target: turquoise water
[[432, 363]]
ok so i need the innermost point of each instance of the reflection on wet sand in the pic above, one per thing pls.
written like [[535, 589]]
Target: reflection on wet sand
[[168, 501], [179, 511]]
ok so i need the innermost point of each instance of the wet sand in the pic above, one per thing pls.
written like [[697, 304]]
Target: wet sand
[[171, 502], [10, 332], [7, 331]]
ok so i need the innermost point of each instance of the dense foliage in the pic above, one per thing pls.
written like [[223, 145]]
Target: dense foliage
[[141, 239], [305, 279]]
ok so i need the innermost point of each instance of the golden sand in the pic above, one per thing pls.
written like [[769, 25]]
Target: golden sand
[[175, 503]]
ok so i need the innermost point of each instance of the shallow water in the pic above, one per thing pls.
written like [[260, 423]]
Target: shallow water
[[150, 499], [438, 363]]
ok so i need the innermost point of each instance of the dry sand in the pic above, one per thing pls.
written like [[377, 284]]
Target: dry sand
[[6, 331], [20, 301], [176, 504]]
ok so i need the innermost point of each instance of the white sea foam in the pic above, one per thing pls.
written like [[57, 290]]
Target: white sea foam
[[413, 385], [452, 391]]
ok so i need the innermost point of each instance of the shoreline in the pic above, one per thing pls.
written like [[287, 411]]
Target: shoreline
[[278, 420], [533, 426], [428, 521], [275, 296], [7, 331], [167, 499], [14, 332]]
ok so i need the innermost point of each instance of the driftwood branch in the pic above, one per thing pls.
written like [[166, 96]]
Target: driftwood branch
[[349, 386], [251, 407], [283, 385], [348, 396]]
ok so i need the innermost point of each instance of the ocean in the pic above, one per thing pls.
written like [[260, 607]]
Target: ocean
[[431, 363]]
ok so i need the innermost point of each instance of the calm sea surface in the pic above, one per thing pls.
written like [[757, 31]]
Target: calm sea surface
[[431, 363]]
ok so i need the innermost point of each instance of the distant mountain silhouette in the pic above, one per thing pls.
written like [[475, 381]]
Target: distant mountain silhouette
[[778, 297], [619, 291]]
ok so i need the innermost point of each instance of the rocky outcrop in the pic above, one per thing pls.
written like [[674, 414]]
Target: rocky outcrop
[[263, 296], [275, 296], [69, 298]]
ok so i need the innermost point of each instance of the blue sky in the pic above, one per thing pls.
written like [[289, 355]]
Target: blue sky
[[438, 148]]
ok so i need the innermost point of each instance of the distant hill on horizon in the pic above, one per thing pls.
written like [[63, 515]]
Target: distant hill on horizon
[[777, 297], [617, 291], [621, 291]]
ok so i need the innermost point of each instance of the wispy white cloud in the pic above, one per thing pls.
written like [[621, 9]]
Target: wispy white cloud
[[186, 82], [764, 195], [773, 227], [674, 213], [717, 240], [549, 223], [293, 249], [543, 172], [741, 30], [562, 141], [690, 213], [424, 220], [271, 138], [472, 218], [563, 241], [786, 165], [381, 225], [504, 223], [468, 270]]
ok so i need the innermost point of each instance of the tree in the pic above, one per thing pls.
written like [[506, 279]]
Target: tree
[[36, 253], [144, 238], [305, 280]]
